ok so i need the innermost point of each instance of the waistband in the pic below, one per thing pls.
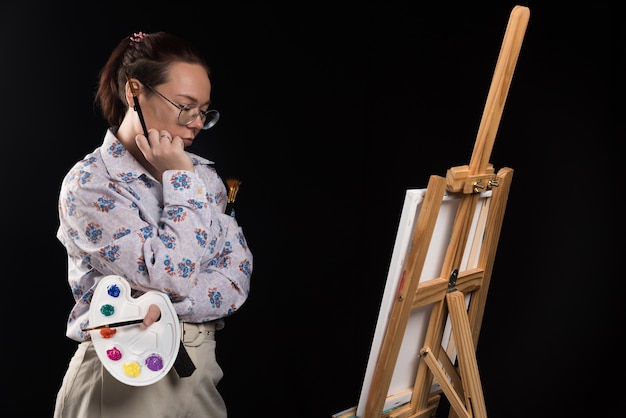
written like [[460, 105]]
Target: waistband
[[194, 334]]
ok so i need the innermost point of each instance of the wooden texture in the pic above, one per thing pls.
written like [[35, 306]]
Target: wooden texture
[[461, 387]]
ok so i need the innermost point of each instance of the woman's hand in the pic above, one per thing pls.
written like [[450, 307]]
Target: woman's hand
[[164, 152], [152, 316]]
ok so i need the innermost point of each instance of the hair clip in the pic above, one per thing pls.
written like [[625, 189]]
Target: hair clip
[[137, 37]]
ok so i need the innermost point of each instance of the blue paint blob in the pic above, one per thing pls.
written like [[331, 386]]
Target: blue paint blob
[[113, 290]]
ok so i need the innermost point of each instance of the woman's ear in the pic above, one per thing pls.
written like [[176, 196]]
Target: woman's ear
[[131, 88]]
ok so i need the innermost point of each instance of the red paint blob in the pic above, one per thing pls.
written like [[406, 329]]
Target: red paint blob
[[107, 332]]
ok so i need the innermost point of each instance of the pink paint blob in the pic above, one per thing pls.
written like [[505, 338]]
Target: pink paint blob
[[114, 353]]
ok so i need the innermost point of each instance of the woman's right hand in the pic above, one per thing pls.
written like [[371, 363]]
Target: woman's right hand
[[163, 151]]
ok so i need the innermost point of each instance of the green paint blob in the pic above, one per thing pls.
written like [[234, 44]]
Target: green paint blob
[[107, 310]]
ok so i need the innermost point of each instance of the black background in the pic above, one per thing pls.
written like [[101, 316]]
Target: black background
[[329, 113]]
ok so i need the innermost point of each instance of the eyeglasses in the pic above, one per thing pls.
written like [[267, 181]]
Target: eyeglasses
[[187, 114]]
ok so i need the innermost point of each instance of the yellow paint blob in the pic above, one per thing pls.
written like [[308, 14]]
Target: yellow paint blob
[[132, 369]]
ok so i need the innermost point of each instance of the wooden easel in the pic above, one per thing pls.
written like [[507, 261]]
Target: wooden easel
[[460, 384]]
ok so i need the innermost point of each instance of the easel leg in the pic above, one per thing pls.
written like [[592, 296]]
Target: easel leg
[[455, 402], [468, 366]]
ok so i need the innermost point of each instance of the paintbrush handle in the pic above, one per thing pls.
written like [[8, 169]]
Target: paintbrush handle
[[136, 106], [115, 324]]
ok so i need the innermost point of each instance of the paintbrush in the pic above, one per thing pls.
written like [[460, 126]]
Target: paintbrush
[[233, 188], [115, 324], [136, 105]]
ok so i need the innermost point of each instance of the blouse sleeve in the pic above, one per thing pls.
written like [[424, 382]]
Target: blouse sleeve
[[184, 245]]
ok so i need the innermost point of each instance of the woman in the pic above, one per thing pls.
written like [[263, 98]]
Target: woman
[[143, 208]]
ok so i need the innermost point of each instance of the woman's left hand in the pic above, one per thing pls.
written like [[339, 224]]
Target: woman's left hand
[[153, 315]]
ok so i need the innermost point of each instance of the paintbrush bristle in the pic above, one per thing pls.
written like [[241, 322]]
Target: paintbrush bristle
[[233, 188]]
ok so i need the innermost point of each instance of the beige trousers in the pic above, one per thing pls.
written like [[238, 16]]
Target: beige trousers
[[89, 391]]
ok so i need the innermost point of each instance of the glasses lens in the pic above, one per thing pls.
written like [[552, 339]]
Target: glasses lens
[[211, 118], [186, 116]]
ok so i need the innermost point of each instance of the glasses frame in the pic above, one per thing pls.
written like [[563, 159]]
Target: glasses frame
[[208, 123]]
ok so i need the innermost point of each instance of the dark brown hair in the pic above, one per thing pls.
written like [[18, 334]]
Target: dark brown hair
[[146, 57]]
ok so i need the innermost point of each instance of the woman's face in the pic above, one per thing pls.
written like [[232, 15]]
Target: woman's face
[[188, 86]]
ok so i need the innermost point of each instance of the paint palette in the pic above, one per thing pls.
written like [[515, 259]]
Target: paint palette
[[133, 354]]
